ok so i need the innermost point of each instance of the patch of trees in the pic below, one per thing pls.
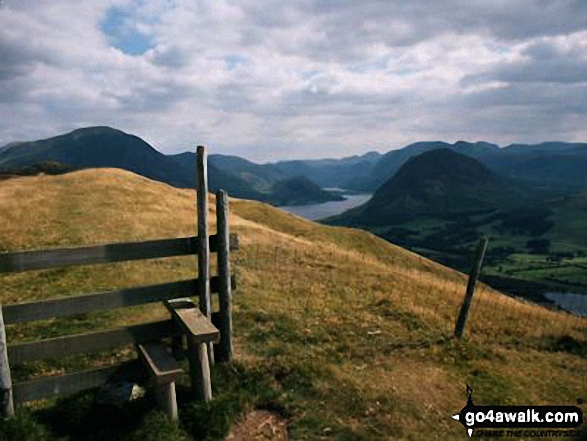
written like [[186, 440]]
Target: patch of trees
[[538, 246], [399, 235], [498, 254], [527, 221]]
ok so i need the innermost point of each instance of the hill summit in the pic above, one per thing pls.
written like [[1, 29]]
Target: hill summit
[[438, 183], [97, 147]]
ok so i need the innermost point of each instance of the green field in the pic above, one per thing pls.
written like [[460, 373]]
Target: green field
[[562, 267]]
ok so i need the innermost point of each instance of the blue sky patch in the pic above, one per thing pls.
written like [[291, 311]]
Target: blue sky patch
[[120, 28], [233, 60]]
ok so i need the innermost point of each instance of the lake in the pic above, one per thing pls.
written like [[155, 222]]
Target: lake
[[572, 302], [320, 211]]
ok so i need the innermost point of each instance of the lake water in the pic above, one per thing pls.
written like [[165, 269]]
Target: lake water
[[320, 211], [576, 303]]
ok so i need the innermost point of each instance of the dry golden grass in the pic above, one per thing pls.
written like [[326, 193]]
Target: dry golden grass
[[354, 330]]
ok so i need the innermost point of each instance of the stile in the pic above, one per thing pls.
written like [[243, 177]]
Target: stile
[[203, 231], [6, 400], [199, 332], [226, 352], [164, 370], [196, 324]]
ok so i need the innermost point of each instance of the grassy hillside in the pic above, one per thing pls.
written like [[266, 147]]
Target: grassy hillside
[[342, 333]]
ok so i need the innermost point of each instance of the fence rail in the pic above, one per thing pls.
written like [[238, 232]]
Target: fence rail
[[185, 321]]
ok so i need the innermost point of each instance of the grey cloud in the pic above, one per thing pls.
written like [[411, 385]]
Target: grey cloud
[[544, 62], [172, 56]]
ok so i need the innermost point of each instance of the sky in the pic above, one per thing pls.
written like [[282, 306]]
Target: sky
[[271, 80]]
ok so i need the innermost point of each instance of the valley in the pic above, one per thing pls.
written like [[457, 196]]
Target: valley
[[334, 327]]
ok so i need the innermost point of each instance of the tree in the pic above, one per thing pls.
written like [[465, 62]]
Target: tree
[[538, 246]]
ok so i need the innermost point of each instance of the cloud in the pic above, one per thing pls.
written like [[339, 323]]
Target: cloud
[[301, 78]]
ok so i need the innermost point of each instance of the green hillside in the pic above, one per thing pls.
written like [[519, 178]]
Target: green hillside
[[342, 334], [440, 202]]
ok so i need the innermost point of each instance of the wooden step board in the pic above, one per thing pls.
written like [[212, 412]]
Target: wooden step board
[[161, 365], [199, 332], [164, 370], [197, 326]]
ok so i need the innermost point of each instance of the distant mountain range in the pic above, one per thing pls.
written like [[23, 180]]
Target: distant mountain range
[[107, 147], [556, 166]]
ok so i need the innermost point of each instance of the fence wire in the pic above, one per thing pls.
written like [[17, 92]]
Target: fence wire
[[411, 292]]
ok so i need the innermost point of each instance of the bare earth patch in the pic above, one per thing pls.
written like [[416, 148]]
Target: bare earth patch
[[259, 425]]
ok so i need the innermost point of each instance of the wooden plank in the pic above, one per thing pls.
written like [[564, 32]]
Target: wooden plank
[[108, 253], [6, 401], [226, 351], [473, 276], [203, 232], [85, 303], [161, 365], [91, 342], [66, 384], [197, 326]]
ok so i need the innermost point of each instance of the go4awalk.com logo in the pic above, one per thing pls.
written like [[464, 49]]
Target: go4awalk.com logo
[[519, 421]]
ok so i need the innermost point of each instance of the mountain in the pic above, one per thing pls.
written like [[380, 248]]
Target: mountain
[[298, 190], [331, 173], [557, 165], [389, 163], [97, 147], [259, 176], [439, 183], [217, 178], [261, 182]]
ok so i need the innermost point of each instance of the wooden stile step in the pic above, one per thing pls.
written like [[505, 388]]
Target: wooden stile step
[[197, 326], [162, 367]]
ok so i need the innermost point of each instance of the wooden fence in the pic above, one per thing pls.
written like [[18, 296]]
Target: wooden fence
[[197, 327]]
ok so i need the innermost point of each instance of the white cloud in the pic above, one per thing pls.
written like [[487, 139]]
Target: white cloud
[[301, 78]]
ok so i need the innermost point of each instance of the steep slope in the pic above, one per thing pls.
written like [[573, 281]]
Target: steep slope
[[439, 183], [334, 328], [97, 147]]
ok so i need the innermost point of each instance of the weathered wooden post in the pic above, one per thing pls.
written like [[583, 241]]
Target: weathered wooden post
[[203, 237], [473, 276], [226, 353], [198, 357], [6, 402]]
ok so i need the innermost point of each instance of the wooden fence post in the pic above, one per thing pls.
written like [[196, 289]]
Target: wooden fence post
[[203, 237], [473, 276], [6, 402], [226, 353]]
